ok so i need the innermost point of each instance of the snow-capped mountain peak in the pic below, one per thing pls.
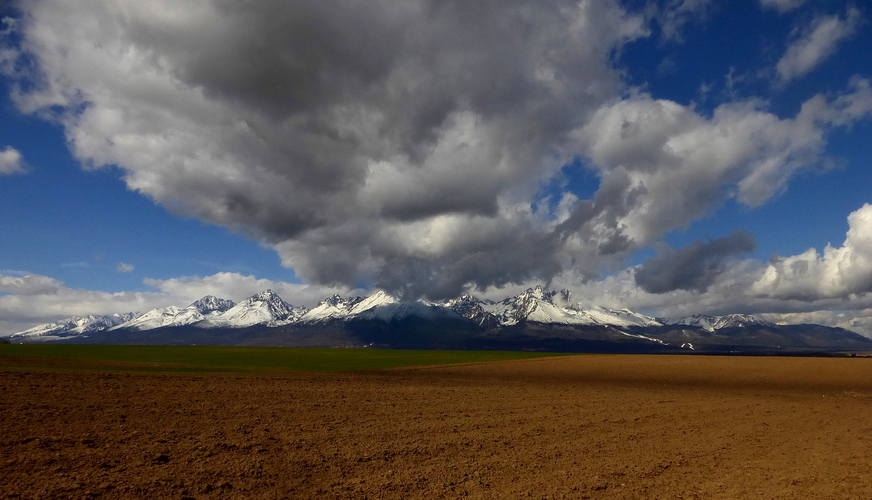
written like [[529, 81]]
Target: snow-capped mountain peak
[[534, 305], [200, 310], [712, 323], [332, 307], [211, 304], [549, 307], [267, 296], [262, 308], [466, 302], [474, 309], [150, 320], [379, 298], [537, 305], [377, 306], [77, 325], [334, 300], [738, 320], [536, 293]]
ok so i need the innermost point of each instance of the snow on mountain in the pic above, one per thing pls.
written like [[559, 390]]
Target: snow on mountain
[[70, 327], [377, 299], [203, 309], [211, 304], [155, 318], [620, 317], [268, 309], [396, 311], [738, 320], [330, 308], [700, 320], [534, 304], [337, 307], [712, 323], [474, 309], [517, 309], [264, 308], [378, 306], [207, 307], [556, 307]]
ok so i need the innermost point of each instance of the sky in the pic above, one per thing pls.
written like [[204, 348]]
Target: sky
[[672, 157]]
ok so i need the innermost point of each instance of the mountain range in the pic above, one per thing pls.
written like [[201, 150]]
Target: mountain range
[[536, 319]]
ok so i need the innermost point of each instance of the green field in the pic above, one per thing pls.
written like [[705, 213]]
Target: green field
[[208, 359]]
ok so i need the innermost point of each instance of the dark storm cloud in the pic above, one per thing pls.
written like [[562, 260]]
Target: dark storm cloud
[[413, 264], [599, 219], [358, 138], [694, 267], [482, 266]]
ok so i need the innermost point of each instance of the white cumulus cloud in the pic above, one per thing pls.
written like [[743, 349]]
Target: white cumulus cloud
[[677, 13], [124, 268], [29, 284], [35, 299], [835, 272], [663, 165], [815, 43], [11, 161]]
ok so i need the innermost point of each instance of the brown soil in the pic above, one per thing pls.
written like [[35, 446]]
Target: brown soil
[[577, 427]]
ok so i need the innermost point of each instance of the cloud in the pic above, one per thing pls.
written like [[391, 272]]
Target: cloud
[[236, 287], [28, 300], [859, 321], [843, 110], [354, 128], [830, 287], [403, 145], [782, 5], [35, 299], [815, 43], [29, 284], [124, 268], [11, 161], [14, 272], [834, 273], [662, 165], [730, 292], [694, 267], [678, 13]]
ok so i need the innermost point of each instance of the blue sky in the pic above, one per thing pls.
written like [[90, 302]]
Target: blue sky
[[746, 40], [151, 154], [77, 225]]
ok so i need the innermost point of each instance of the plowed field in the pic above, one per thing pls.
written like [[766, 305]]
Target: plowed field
[[576, 427]]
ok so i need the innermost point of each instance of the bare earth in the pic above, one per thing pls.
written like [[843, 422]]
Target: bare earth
[[576, 427]]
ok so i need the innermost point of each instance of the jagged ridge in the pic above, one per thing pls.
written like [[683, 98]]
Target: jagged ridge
[[556, 313]]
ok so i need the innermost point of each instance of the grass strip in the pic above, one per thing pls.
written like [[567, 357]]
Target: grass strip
[[206, 359]]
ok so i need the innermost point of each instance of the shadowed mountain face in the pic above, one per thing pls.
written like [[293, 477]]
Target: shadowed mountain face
[[533, 320]]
